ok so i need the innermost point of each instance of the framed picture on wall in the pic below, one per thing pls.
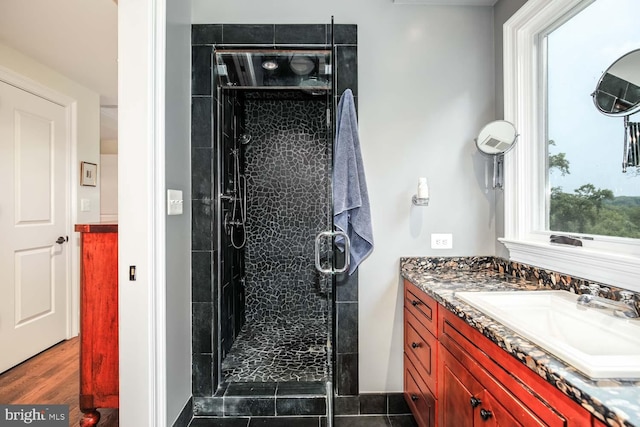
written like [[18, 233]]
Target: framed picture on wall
[[88, 174]]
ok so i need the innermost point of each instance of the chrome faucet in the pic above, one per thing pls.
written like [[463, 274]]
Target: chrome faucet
[[617, 308]]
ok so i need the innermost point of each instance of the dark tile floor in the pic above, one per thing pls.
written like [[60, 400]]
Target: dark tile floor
[[375, 421], [340, 421]]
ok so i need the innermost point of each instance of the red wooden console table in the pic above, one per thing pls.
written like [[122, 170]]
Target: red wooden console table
[[98, 320]]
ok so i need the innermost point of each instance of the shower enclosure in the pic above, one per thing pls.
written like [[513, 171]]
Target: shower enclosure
[[274, 147], [274, 184], [269, 348]]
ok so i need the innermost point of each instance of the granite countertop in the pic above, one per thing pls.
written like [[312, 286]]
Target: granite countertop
[[616, 402]]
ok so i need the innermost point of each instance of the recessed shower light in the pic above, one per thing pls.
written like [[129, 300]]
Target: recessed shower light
[[301, 65], [270, 65]]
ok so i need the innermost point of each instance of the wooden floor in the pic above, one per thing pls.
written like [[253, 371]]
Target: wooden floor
[[50, 377]]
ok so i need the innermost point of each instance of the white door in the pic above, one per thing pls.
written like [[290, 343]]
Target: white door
[[33, 215]]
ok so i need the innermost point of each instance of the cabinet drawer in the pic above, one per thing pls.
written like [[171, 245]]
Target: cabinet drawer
[[422, 306], [517, 388], [421, 347], [418, 396]]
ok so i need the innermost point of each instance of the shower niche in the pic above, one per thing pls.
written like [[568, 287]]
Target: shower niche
[[262, 141]]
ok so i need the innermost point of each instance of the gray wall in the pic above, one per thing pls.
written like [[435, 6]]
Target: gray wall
[[178, 228], [425, 87]]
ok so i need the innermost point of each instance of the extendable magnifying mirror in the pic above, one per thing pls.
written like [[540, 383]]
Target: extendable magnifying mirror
[[618, 95], [495, 139]]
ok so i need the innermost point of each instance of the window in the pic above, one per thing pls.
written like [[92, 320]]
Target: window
[[552, 64], [588, 193]]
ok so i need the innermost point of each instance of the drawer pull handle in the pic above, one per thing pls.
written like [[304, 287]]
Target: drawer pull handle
[[415, 345], [415, 303], [414, 397], [485, 415], [475, 402]]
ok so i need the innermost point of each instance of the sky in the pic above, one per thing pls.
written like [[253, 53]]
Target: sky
[[579, 51]]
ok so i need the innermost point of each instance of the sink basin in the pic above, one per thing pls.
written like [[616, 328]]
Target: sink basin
[[591, 340]]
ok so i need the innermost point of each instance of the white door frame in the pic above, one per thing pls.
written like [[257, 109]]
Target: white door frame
[[73, 264], [141, 212]]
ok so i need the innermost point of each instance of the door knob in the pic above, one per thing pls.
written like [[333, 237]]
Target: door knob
[[414, 397], [475, 402], [485, 415], [415, 345], [61, 240]]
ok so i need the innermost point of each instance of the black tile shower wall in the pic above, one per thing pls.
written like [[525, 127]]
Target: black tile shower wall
[[203, 255], [206, 34], [347, 70], [232, 300], [270, 35], [346, 322], [346, 333], [201, 70], [248, 33], [205, 198], [301, 34], [287, 205]]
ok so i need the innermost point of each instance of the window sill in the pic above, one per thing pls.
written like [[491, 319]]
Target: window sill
[[609, 268]]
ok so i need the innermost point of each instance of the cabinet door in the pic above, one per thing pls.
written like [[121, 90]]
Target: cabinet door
[[490, 413], [418, 396], [458, 393]]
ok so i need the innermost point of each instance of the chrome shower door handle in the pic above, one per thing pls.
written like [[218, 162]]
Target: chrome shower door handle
[[317, 246], [347, 252], [347, 246]]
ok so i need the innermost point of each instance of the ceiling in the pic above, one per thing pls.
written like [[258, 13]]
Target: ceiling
[[449, 2], [77, 38]]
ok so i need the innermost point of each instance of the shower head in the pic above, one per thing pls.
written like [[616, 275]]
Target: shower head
[[244, 139]]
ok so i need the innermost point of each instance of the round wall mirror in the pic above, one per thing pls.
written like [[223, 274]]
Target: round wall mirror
[[618, 90], [496, 137]]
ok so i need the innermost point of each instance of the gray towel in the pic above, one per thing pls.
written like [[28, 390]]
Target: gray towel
[[351, 212]]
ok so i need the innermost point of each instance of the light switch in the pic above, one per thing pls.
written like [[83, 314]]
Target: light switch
[[174, 202], [85, 205]]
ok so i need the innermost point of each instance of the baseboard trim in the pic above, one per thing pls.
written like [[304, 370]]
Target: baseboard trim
[[186, 414]]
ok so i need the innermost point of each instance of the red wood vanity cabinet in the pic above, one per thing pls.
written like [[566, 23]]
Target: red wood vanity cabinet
[[99, 384], [464, 379], [420, 354]]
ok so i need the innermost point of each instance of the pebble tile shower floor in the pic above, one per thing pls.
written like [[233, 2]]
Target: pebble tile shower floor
[[278, 352]]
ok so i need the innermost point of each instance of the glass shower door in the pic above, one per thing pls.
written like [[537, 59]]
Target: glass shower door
[[276, 156]]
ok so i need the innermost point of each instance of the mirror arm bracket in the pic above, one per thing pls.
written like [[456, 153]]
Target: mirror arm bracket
[[498, 168]]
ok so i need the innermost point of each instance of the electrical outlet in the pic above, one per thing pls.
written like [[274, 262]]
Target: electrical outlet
[[442, 241]]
